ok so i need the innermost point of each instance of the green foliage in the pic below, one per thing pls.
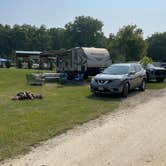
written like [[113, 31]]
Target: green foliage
[[145, 61], [157, 46], [113, 48], [30, 63], [85, 31], [58, 38], [52, 66], [19, 63], [8, 64], [128, 44]]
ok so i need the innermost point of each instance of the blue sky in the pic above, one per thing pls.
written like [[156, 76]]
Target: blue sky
[[150, 15]]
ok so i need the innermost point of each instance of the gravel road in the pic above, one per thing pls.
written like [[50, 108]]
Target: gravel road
[[134, 135]]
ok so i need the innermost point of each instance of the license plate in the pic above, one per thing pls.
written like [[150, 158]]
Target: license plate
[[100, 88]]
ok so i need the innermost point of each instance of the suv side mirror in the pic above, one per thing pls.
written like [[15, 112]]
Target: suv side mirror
[[132, 72]]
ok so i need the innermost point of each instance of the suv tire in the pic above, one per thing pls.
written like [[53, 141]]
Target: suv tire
[[125, 90], [142, 86]]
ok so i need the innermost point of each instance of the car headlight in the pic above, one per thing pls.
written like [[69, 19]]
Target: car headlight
[[93, 79]]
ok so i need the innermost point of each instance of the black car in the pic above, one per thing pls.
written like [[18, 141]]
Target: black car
[[157, 73], [163, 65], [119, 78]]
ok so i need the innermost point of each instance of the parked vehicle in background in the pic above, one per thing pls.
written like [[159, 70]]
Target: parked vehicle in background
[[5, 63], [163, 65], [157, 73], [82, 60], [119, 78]]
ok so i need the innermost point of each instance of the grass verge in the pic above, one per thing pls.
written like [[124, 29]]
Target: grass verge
[[156, 85]]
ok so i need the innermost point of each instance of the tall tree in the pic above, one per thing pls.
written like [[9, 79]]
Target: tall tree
[[157, 46], [84, 31], [58, 38], [41, 39], [5, 41], [18, 37], [128, 43]]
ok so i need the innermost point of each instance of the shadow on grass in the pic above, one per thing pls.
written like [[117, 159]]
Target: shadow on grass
[[113, 97], [106, 97], [73, 83], [134, 92]]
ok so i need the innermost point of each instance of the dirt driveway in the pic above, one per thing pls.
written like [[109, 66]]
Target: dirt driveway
[[134, 135]]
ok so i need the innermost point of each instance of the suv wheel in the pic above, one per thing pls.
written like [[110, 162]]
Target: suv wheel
[[142, 87], [125, 90]]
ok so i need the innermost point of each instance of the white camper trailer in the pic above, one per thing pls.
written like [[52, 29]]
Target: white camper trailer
[[87, 61]]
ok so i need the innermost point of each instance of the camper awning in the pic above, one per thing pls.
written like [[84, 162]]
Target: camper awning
[[29, 52], [3, 60]]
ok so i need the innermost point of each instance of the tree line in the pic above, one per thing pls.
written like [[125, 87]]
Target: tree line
[[127, 44]]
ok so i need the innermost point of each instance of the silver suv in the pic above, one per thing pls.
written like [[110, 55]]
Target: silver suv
[[119, 78]]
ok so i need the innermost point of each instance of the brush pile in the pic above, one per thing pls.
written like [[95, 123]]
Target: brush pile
[[27, 96]]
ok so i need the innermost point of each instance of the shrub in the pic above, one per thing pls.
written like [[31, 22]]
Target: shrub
[[30, 63], [8, 64], [145, 61], [19, 63]]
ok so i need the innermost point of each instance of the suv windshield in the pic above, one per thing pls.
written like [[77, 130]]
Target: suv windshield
[[117, 70], [150, 65]]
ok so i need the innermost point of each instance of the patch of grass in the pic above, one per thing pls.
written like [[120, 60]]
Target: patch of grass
[[26, 123], [156, 85]]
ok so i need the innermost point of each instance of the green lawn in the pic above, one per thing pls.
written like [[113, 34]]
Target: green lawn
[[156, 85], [26, 123]]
